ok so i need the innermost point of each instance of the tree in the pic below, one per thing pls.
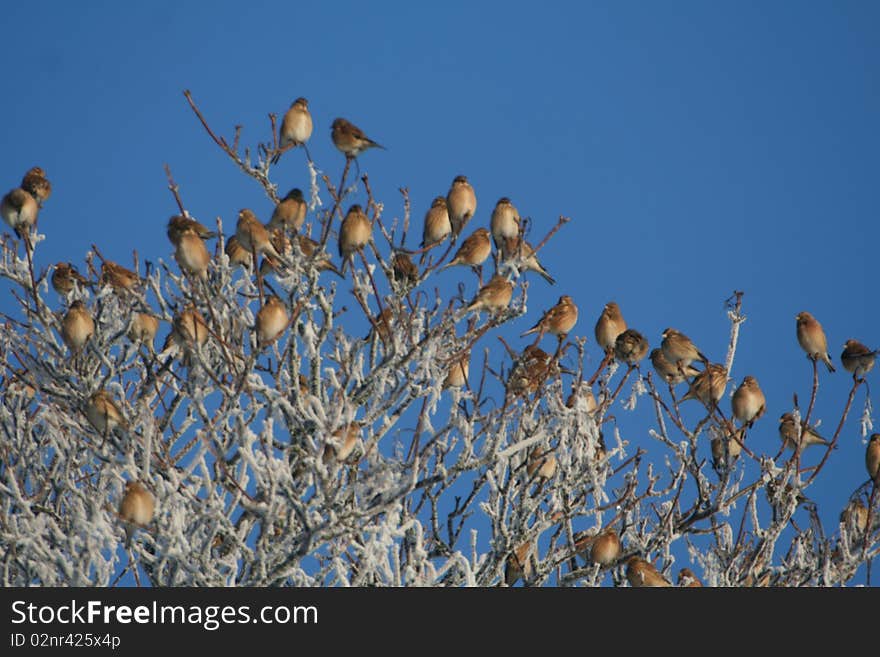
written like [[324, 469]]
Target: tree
[[267, 441]]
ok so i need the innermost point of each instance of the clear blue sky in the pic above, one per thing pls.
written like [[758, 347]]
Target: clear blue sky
[[698, 148]]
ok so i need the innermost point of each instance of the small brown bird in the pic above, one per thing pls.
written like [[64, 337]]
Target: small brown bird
[[812, 339], [19, 209], [504, 223], [188, 331], [290, 213], [559, 320], [708, 386], [529, 372], [606, 548], [686, 578], [118, 277], [672, 375], [190, 251], [144, 328], [527, 257], [748, 402], [282, 244], [77, 326], [136, 509], [272, 320], [718, 445], [296, 126], [788, 433], [473, 252], [355, 233], [350, 139], [178, 224], [404, 270], [66, 277], [518, 564], [585, 392], [437, 225], [640, 572], [458, 372], [872, 458], [609, 325], [461, 202], [679, 350], [254, 236], [37, 185], [103, 413], [238, 256], [630, 347], [855, 516], [857, 358], [541, 463], [341, 447], [493, 297], [322, 261]]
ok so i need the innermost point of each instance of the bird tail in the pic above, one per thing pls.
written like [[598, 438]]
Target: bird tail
[[534, 329], [377, 145], [547, 277], [828, 364]]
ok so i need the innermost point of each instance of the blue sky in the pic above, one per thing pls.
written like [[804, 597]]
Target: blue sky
[[698, 147]]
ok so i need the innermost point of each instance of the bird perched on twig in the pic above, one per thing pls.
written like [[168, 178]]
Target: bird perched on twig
[[609, 325], [189, 248], [403, 269], [788, 431], [188, 332], [872, 458], [686, 578], [77, 326], [541, 463], [812, 339], [296, 127], [606, 548], [458, 372], [350, 139], [437, 225], [37, 185], [518, 564], [857, 358], [19, 209], [65, 277], [144, 328], [179, 223], [559, 320], [118, 277], [237, 254], [254, 236], [493, 297], [708, 386], [748, 402], [136, 509], [582, 391], [461, 202], [473, 252], [529, 372], [104, 414], [516, 249], [290, 213], [504, 223], [679, 350], [630, 347], [354, 233], [640, 572], [342, 443], [672, 375], [322, 262], [271, 321]]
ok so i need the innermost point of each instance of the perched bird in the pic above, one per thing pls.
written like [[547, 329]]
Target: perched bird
[[322, 261], [872, 458], [708, 386], [857, 358], [473, 252], [679, 350], [136, 509], [272, 320], [179, 223], [189, 250], [296, 126], [719, 445], [748, 402], [144, 328], [687, 579], [188, 331], [437, 226], [504, 223], [541, 463], [640, 572], [609, 325], [606, 548], [788, 433], [237, 254], [812, 339], [672, 375], [585, 392], [457, 375], [37, 185], [855, 515], [103, 413], [382, 325], [461, 202], [493, 297], [343, 442], [19, 209], [527, 257], [290, 213], [559, 320], [518, 564], [355, 233], [65, 277], [117, 276], [254, 236], [403, 269], [282, 244], [77, 326], [630, 347], [529, 372], [350, 139]]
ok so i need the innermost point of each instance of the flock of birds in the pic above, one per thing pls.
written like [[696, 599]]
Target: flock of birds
[[674, 361]]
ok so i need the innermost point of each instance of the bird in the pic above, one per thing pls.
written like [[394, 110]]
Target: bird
[[559, 320], [341, 446], [382, 325], [504, 223], [461, 202], [118, 277], [473, 252], [237, 254], [630, 347], [708, 386], [585, 392], [518, 564], [188, 331], [872, 458], [189, 250], [271, 321], [719, 445], [144, 328], [609, 325], [529, 372], [350, 139], [322, 261], [180, 223], [672, 375], [136, 509], [606, 548], [640, 572], [19, 209], [679, 350], [812, 339], [403, 269], [493, 297], [279, 239], [296, 126], [354, 234], [748, 402], [686, 578], [437, 226], [857, 358], [290, 213], [855, 515], [527, 257], [77, 326], [37, 185], [65, 277], [456, 376], [254, 236], [541, 463], [788, 433], [104, 414]]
